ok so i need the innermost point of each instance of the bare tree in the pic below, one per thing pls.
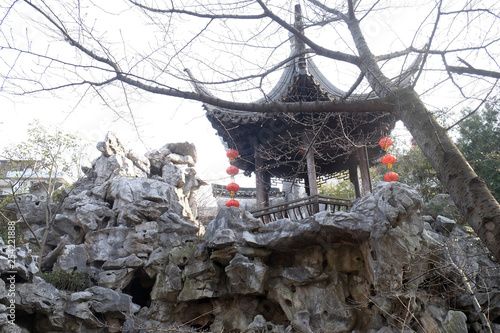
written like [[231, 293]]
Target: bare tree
[[236, 48]]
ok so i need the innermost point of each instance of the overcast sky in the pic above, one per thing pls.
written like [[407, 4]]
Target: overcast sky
[[159, 120]]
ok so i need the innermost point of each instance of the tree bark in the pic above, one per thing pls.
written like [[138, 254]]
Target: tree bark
[[469, 192]]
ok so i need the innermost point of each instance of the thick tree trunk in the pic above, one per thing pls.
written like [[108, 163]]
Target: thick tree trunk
[[469, 192]]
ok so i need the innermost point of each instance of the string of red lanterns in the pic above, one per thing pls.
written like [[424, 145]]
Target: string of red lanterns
[[388, 159], [232, 170]]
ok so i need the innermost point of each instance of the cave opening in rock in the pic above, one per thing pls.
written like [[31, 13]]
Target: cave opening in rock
[[140, 288], [200, 328], [29, 321], [272, 311]]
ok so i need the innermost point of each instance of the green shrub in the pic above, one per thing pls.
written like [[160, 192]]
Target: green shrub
[[68, 281], [342, 188], [7, 215]]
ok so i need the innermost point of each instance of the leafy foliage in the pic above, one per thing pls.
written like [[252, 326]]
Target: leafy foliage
[[68, 281], [342, 188], [46, 152], [479, 143]]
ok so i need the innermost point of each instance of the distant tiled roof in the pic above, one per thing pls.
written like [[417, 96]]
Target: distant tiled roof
[[244, 192]]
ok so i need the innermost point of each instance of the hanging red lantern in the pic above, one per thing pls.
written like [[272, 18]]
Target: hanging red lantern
[[385, 143], [391, 177], [232, 203], [233, 187], [232, 155], [389, 160], [232, 170]]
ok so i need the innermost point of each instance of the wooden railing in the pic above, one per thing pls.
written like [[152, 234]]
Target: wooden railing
[[302, 208]]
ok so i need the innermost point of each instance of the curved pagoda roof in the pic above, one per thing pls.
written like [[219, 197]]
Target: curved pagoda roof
[[278, 139]]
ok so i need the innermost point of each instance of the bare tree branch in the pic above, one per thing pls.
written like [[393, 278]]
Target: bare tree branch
[[195, 14], [473, 71]]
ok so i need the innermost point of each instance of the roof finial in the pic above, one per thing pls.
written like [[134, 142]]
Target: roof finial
[[299, 44]]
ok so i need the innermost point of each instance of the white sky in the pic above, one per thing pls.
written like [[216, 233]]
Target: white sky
[[162, 120]]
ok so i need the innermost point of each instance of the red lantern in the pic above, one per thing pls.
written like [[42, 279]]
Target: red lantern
[[232, 203], [232, 154], [389, 160], [385, 143], [232, 170], [391, 177], [233, 187]]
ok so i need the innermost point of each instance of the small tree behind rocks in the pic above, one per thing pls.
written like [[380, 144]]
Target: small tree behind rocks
[[43, 164]]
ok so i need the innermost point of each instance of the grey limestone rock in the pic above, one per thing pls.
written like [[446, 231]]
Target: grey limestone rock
[[183, 148], [19, 260], [156, 197], [157, 159], [72, 259], [182, 159], [444, 224], [105, 300], [111, 145], [257, 325], [397, 201], [115, 279], [107, 168], [168, 284], [455, 322], [132, 261], [356, 271], [141, 162], [246, 276], [42, 297], [173, 175]]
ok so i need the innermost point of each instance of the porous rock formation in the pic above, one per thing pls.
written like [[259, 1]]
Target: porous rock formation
[[129, 225]]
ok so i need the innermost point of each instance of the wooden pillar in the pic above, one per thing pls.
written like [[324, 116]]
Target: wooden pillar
[[261, 182], [311, 174], [366, 183], [306, 185], [353, 177]]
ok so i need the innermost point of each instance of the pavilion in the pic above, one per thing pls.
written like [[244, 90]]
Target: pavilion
[[303, 147]]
